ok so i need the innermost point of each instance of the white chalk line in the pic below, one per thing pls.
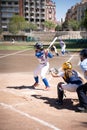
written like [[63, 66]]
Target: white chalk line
[[79, 63], [22, 94], [69, 60], [13, 53], [10, 107], [23, 113]]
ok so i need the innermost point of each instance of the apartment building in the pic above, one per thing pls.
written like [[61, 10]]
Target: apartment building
[[77, 12], [81, 10], [7, 9], [34, 11]]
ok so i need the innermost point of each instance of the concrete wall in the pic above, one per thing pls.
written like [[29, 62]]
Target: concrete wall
[[48, 36]]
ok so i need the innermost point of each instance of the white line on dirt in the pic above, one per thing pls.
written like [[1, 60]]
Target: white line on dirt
[[23, 113], [68, 60], [13, 53], [71, 58], [22, 94], [78, 63], [29, 116]]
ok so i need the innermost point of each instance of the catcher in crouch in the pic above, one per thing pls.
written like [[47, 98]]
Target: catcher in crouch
[[72, 81]]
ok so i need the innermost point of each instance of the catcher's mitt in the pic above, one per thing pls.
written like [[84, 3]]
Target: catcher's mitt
[[54, 71]]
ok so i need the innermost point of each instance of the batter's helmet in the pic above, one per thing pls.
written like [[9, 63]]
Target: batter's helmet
[[67, 65], [39, 46], [84, 53]]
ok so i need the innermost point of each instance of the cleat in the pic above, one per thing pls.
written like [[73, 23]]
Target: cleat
[[81, 109], [47, 88], [35, 85], [57, 54]]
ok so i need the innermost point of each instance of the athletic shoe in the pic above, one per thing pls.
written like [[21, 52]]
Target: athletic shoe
[[35, 85], [81, 109], [47, 88], [57, 54]]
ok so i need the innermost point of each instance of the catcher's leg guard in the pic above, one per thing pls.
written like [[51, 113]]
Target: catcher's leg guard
[[60, 93]]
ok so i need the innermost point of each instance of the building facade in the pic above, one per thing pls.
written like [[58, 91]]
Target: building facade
[[34, 11], [77, 12], [81, 10]]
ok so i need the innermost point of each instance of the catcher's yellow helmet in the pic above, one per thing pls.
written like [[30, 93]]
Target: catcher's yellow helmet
[[67, 65]]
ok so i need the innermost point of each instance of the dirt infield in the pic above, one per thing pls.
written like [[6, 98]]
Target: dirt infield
[[22, 107]]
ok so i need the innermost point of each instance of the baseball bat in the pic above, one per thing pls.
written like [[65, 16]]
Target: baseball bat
[[52, 42]]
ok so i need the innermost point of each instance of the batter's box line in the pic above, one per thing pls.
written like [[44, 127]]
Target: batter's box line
[[22, 113]]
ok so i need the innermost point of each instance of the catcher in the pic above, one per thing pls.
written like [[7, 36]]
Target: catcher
[[72, 81]]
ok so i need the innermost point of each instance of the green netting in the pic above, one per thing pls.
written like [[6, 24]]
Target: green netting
[[76, 43]]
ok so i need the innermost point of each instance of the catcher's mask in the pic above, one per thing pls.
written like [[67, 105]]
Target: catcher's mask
[[67, 65], [39, 46]]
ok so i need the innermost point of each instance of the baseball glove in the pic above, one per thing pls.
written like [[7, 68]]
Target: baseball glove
[[54, 71]]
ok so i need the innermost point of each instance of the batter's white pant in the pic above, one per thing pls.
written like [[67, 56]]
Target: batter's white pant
[[41, 69]]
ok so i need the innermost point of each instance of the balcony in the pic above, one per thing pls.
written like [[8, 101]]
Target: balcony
[[7, 5], [15, 10], [7, 15]]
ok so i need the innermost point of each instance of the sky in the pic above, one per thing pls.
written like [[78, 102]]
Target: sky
[[62, 6]]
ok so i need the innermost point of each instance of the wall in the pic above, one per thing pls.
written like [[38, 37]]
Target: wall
[[48, 36]]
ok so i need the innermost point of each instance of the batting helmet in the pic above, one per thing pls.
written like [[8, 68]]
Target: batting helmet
[[39, 46], [67, 65], [84, 53]]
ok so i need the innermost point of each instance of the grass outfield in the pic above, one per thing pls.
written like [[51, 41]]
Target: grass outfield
[[28, 45], [14, 47]]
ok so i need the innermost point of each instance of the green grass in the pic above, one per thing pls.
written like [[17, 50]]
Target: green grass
[[73, 45], [22, 47], [15, 47]]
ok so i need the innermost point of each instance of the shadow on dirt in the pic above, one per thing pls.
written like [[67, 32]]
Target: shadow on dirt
[[67, 103], [23, 87]]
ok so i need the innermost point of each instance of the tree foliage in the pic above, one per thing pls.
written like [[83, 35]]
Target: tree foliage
[[73, 24], [17, 23], [58, 28], [65, 26], [49, 25]]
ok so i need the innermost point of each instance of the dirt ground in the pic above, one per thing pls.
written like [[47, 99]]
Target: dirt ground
[[25, 108]]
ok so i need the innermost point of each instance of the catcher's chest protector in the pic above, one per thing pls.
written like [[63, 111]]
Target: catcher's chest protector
[[71, 76]]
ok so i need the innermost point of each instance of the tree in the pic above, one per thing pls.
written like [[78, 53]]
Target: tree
[[30, 26], [58, 28], [65, 26], [73, 24], [17, 23], [49, 25]]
